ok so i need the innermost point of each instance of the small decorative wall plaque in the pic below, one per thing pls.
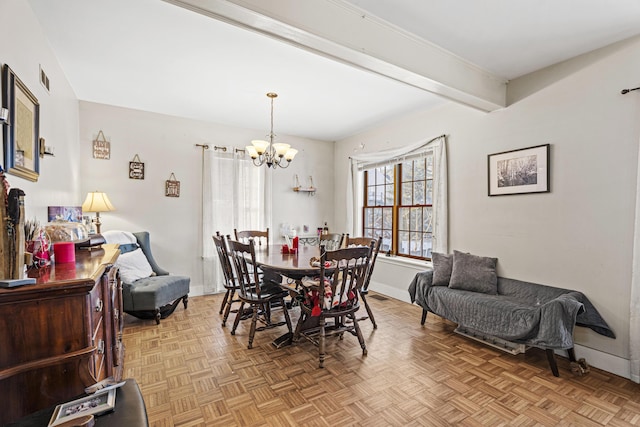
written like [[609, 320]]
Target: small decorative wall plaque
[[101, 147], [136, 168], [172, 186]]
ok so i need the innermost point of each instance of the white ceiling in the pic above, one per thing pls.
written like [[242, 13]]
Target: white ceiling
[[155, 56]]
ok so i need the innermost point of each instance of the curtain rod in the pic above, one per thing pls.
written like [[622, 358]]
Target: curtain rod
[[444, 135], [216, 147]]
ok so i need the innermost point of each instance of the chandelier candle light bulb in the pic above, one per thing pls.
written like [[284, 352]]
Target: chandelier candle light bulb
[[270, 153]]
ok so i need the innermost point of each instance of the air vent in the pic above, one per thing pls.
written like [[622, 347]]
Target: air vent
[[44, 79]]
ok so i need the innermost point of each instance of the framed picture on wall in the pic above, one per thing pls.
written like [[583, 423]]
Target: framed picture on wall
[[521, 171], [21, 136]]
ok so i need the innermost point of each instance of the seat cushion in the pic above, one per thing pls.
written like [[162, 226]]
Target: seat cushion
[[153, 292]]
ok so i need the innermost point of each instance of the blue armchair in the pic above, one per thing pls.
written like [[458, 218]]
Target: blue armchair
[[148, 291]]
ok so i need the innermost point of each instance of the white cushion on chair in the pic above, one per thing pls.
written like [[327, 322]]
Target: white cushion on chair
[[119, 237], [133, 266]]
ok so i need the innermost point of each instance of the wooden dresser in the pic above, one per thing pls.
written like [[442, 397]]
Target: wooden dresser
[[60, 335]]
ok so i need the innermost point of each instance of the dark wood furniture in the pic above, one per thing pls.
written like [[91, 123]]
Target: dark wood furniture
[[258, 235], [259, 295], [294, 266], [334, 300], [366, 241], [230, 284], [130, 411], [61, 334]]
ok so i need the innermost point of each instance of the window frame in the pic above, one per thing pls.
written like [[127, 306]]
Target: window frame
[[397, 165]]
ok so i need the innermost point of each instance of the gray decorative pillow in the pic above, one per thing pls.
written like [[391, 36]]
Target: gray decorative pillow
[[442, 265], [474, 273]]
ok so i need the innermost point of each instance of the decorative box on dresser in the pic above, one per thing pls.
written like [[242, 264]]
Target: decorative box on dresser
[[61, 334]]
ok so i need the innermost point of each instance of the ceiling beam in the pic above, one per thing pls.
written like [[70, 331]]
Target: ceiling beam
[[343, 32]]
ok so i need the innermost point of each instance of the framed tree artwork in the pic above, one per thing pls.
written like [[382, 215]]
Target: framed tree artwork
[[521, 171], [21, 136]]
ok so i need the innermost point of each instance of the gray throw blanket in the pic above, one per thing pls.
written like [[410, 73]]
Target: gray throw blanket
[[522, 312]]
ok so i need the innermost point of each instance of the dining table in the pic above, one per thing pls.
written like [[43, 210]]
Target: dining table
[[287, 269]]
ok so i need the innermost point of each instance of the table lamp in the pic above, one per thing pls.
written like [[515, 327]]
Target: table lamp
[[97, 202]]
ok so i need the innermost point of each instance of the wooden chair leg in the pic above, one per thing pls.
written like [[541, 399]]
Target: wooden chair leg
[[237, 320], [254, 320], [158, 315], [369, 312], [321, 338], [551, 357], [424, 316], [363, 345], [185, 301], [286, 316], [224, 302], [227, 310], [572, 354]]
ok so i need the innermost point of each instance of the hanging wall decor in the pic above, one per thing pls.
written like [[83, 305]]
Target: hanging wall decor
[[172, 186], [22, 131], [101, 147], [136, 168]]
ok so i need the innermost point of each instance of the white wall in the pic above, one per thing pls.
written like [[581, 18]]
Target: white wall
[[24, 49], [578, 236], [166, 144]]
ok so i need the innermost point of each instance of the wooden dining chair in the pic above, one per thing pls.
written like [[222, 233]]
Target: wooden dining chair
[[334, 301], [253, 291], [365, 241], [331, 241], [230, 283], [257, 235]]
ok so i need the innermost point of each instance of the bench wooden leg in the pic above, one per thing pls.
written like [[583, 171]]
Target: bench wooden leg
[[424, 316], [572, 354], [551, 357]]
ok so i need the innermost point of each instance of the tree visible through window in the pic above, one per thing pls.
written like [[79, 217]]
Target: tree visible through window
[[399, 206]]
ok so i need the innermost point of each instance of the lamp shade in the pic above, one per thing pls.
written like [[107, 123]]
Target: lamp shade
[[97, 201]]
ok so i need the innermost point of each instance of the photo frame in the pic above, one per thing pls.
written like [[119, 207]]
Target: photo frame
[[21, 136], [94, 404], [521, 171]]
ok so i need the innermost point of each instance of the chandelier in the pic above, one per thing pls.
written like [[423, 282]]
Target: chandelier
[[273, 155]]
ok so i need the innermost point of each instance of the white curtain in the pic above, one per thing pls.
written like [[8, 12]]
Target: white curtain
[[634, 309], [360, 162], [233, 196]]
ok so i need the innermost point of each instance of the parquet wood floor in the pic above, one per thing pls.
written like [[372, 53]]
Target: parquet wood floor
[[193, 372]]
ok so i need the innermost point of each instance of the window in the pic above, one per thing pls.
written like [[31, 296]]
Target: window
[[398, 205]]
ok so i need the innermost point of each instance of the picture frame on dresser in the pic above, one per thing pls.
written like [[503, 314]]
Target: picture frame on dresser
[[21, 135], [521, 171], [94, 404]]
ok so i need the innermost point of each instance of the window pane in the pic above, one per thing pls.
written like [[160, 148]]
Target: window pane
[[416, 244], [429, 196], [377, 218], [407, 196], [379, 176], [418, 193], [371, 196], [415, 220], [427, 245], [389, 195], [418, 169], [407, 171], [427, 215], [430, 167], [386, 241], [403, 218], [403, 242], [387, 218], [388, 175], [368, 218]]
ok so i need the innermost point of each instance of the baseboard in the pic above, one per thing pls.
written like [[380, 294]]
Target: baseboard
[[607, 362], [390, 291]]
